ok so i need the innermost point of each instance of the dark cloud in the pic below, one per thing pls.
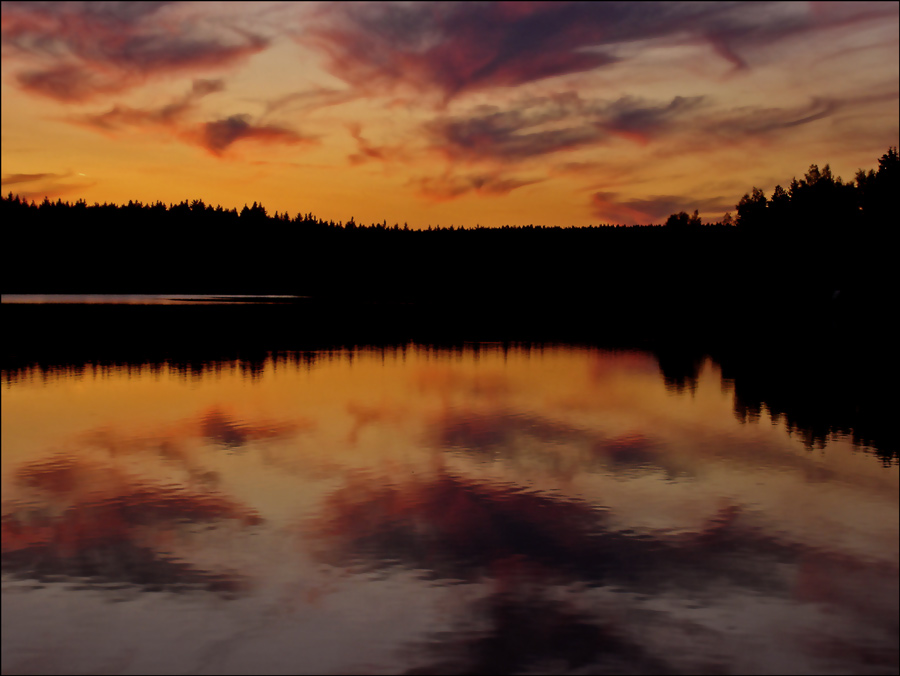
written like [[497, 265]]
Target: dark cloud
[[73, 51], [218, 136], [452, 48], [542, 125], [633, 116], [521, 131], [755, 120], [68, 82]]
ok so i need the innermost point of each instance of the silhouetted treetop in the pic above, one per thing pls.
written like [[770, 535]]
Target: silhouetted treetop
[[813, 238], [817, 200]]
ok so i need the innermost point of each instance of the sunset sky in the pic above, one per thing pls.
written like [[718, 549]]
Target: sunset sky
[[441, 113]]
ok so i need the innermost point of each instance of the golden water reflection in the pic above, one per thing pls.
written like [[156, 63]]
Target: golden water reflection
[[482, 511]]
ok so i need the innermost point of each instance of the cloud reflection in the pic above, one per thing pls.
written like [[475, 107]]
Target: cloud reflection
[[457, 528], [530, 632], [526, 548], [562, 450], [78, 521], [75, 516]]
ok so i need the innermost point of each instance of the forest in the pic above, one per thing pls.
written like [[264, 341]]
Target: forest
[[819, 243], [795, 296]]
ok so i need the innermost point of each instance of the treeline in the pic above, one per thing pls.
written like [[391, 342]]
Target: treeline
[[819, 203], [819, 200], [822, 245], [826, 203]]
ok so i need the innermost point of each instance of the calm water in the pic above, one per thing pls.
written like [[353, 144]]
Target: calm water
[[139, 299], [485, 510]]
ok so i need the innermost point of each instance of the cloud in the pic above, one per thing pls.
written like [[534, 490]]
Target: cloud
[[47, 184], [653, 209], [12, 179], [752, 121], [368, 151], [75, 51], [119, 117], [543, 125], [449, 187], [215, 136], [446, 47], [309, 99], [219, 135], [454, 48]]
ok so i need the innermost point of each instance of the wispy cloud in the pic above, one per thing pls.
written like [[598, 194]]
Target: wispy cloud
[[752, 121], [13, 179], [539, 126], [75, 51], [173, 118], [46, 184], [449, 186], [611, 208], [453, 48], [120, 117], [370, 151], [308, 100]]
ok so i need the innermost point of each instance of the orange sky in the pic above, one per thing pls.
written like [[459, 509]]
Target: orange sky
[[544, 113]]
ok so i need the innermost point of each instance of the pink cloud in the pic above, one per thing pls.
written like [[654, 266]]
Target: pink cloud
[[453, 48], [73, 52], [215, 136], [653, 209]]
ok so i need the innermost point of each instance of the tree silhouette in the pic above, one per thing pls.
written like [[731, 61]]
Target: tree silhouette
[[812, 238], [682, 220], [751, 210]]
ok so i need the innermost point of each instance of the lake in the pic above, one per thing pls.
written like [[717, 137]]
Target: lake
[[489, 507]]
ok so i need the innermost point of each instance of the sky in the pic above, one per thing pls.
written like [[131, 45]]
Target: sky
[[545, 113]]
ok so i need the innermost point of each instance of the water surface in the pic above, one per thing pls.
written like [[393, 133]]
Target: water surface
[[139, 298], [490, 509]]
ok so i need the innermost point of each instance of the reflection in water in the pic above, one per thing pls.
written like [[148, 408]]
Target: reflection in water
[[417, 510], [139, 299], [73, 521], [468, 530], [510, 633], [521, 436]]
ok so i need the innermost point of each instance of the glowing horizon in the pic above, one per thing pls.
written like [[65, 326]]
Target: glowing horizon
[[443, 114]]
